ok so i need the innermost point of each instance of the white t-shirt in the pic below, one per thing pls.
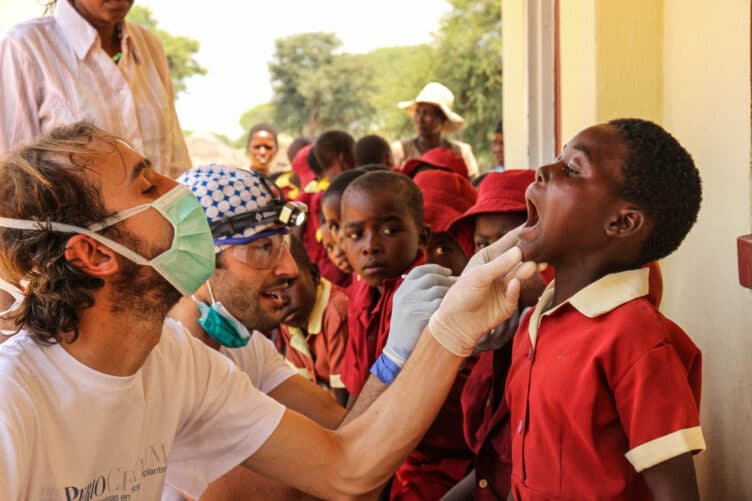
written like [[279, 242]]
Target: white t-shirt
[[261, 361], [68, 432], [263, 364]]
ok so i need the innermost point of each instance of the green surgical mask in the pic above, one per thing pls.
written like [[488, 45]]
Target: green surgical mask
[[188, 262], [220, 324]]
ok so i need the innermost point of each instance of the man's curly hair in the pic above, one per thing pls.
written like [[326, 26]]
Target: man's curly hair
[[660, 176], [46, 181]]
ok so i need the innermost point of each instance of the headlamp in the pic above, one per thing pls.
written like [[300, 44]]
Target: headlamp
[[277, 211]]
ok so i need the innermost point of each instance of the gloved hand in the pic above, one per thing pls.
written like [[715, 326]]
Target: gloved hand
[[485, 295], [416, 299], [499, 336]]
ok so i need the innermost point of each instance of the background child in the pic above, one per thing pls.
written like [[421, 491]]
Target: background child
[[331, 154], [314, 325], [442, 457], [446, 196], [436, 158], [373, 150], [621, 195], [500, 207], [383, 236]]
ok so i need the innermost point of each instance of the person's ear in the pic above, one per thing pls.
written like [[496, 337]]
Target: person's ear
[[423, 237], [91, 257], [627, 222]]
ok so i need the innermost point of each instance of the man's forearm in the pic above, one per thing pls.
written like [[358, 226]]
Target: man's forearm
[[370, 392], [378, 440]]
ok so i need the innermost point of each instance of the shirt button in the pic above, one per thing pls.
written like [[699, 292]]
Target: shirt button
[[520, 426], [483, 483], [530, 353], [488, 402]]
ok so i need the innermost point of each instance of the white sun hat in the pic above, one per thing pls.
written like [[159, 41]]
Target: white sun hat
[[438, 95]]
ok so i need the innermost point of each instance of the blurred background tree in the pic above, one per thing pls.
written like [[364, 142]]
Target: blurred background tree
[[316, 88], [180, 50]]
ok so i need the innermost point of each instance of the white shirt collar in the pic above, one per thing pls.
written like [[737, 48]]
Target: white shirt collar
[[598, 298]]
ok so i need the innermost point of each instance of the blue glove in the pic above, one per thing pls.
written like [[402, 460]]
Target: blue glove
[[417, 298]]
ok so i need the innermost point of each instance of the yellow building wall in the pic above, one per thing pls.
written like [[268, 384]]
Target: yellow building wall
[[707, 107], [610, 67], [515, 112], [686, 65], [578, 66]]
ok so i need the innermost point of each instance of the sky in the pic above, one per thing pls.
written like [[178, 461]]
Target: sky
[[237, 41]]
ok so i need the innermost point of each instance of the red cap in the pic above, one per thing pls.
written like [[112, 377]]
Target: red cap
[[499, 192], [439, 158], [300, 166], [446, 196]]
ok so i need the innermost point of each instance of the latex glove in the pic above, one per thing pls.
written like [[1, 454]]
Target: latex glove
[[416, 299], [499, 336], [485, 295]]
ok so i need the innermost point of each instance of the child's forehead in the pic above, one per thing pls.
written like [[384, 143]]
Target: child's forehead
[[376, 203]]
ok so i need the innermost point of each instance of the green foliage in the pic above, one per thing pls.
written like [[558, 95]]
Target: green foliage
[[261, 113], [316, 89], [179, 50], [469, 42], [399, 74]]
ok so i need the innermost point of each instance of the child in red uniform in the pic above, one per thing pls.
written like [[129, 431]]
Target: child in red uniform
[[331, 155], [446, 196], [603, 390], [500, 207], [436, 158], [442, 457], [383, 236], [314, 325]]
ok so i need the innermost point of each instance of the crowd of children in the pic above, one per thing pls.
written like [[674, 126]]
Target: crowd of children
[[562, 390]]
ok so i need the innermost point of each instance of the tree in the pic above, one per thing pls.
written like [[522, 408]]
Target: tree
[[400, 73], [316, 89], [179, 50], [469, 43]]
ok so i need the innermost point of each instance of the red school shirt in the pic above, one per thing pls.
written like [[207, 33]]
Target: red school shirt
[[368, 319], [600, 388], [442, 457], [486, 423], [316, 352]]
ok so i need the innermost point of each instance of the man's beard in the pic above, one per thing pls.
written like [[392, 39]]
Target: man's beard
[[244, 304], [252, 315], [141, 290]]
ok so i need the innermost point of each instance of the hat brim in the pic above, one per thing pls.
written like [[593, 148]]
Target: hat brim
[[491, 206], [454, 121]]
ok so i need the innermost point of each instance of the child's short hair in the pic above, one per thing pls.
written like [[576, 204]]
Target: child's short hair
[[258, 128], [660, 176], [297, 144], [332, 144], [313, 163], [398, 184], [371, 150], [340, 183]]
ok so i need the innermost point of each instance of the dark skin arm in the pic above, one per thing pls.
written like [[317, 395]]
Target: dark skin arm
[[673, 480]]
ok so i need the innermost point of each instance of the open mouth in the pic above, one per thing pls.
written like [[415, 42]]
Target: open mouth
[[532, 214], [277, 294]]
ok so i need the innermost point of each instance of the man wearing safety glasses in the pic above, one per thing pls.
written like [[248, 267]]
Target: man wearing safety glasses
[[250, 223], [100, 391]]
